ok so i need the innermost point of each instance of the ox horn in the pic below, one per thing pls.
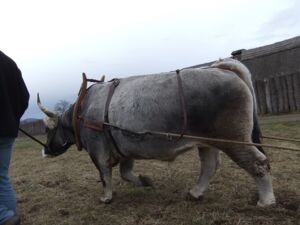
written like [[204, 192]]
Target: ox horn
[[45, 110]]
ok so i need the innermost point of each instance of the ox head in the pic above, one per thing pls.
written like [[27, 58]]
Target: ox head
[[59, 137]]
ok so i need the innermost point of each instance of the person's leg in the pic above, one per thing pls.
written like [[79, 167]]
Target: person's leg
[[7, 194]]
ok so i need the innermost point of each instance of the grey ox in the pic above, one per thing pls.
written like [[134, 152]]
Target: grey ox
[[220, 103]]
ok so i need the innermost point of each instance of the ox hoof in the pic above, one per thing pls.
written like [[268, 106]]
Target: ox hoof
[[146, 181], [266, 204], [106, 200], [190, 197]]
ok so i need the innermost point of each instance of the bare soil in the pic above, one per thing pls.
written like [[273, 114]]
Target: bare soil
[[66, 190]]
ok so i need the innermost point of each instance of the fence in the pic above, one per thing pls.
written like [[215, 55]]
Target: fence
[[33, 128], [278, 94]]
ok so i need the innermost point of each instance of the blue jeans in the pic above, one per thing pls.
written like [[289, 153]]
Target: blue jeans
[[7, 193]]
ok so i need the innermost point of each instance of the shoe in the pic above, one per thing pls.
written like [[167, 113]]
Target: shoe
[[15, 220]]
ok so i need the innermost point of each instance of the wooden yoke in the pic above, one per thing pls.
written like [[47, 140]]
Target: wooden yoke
[[77, 107]]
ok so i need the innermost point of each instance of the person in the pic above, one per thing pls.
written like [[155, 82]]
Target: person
[[14, 98]]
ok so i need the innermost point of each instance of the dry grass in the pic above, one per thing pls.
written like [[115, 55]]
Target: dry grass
[[66, 190]]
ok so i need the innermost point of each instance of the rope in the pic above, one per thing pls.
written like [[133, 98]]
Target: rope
[[280, 138], [33, 138], [170, 135]]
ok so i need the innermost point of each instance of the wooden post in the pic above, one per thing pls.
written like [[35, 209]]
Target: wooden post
[[258, 105], [279, 94], [296, 85], [274, 96], [261, 96], [268, 96], [284, 93], [291, 92]]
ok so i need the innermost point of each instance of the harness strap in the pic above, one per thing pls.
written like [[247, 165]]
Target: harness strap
[[112, 87], [96, 125], [182, 103]]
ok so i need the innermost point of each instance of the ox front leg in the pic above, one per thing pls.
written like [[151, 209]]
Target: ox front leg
[[210, 160], [101, 159], [126, 166]]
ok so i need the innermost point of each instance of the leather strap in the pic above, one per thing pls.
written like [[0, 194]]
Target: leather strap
[[115, 83], [96, 125], [112, 87], [182, 103]]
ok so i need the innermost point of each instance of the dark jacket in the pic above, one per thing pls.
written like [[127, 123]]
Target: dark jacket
[[14, 97]]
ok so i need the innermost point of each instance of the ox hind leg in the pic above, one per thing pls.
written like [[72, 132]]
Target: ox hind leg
[[257, 165], [126, 166], [210, 160]]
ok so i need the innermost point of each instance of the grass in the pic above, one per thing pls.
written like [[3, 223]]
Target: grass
[[66, 190]]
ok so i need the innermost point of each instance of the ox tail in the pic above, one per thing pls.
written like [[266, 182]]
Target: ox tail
[[242, 71], [256, 133]]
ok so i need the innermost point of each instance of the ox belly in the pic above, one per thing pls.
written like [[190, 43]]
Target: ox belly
[[153, 147]]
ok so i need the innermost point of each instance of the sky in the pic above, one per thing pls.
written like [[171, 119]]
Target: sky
[[54, 41]]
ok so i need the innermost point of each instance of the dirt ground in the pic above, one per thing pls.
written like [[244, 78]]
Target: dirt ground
[[66, 190]]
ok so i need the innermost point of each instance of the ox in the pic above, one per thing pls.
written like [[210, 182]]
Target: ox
[[220, 103]]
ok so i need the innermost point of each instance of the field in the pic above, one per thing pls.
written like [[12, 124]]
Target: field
[[66, 190]]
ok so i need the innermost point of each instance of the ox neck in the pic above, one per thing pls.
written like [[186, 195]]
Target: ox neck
[[66, 118]]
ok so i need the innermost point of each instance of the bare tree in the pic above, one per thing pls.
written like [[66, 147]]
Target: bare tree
[[61, 106]]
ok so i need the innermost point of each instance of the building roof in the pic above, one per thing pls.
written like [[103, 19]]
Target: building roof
[[268, 49], [247, 54]]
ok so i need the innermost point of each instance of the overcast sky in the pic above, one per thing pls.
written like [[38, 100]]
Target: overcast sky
[[54, 41]]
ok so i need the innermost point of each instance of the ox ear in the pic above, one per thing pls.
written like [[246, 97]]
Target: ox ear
[[44, 109]]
